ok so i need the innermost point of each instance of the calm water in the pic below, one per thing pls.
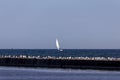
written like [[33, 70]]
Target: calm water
[[66, 52], [12, 73]]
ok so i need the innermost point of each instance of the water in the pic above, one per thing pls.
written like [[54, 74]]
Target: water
[[66, 52], [12, 73]]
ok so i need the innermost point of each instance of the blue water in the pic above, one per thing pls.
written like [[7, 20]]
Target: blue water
[[66, 52], [12, 73]]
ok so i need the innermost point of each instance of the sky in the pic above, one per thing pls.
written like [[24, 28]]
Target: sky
[[78, 24]]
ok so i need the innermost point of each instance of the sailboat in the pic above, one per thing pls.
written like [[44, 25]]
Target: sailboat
[[57, 45]]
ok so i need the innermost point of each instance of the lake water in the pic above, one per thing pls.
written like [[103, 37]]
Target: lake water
[[14, 73], [65, 52]]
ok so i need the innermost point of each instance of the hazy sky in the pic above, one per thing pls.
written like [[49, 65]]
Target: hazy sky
[[81, 24]]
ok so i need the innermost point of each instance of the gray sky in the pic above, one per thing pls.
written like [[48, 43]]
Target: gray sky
[[81, 24]]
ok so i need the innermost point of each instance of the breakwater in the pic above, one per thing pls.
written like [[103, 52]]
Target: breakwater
[[99, 63]]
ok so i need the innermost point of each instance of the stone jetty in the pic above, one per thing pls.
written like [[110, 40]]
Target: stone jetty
[[99, 63]]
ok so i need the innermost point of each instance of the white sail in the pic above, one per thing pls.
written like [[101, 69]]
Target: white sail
[[57, 44]]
